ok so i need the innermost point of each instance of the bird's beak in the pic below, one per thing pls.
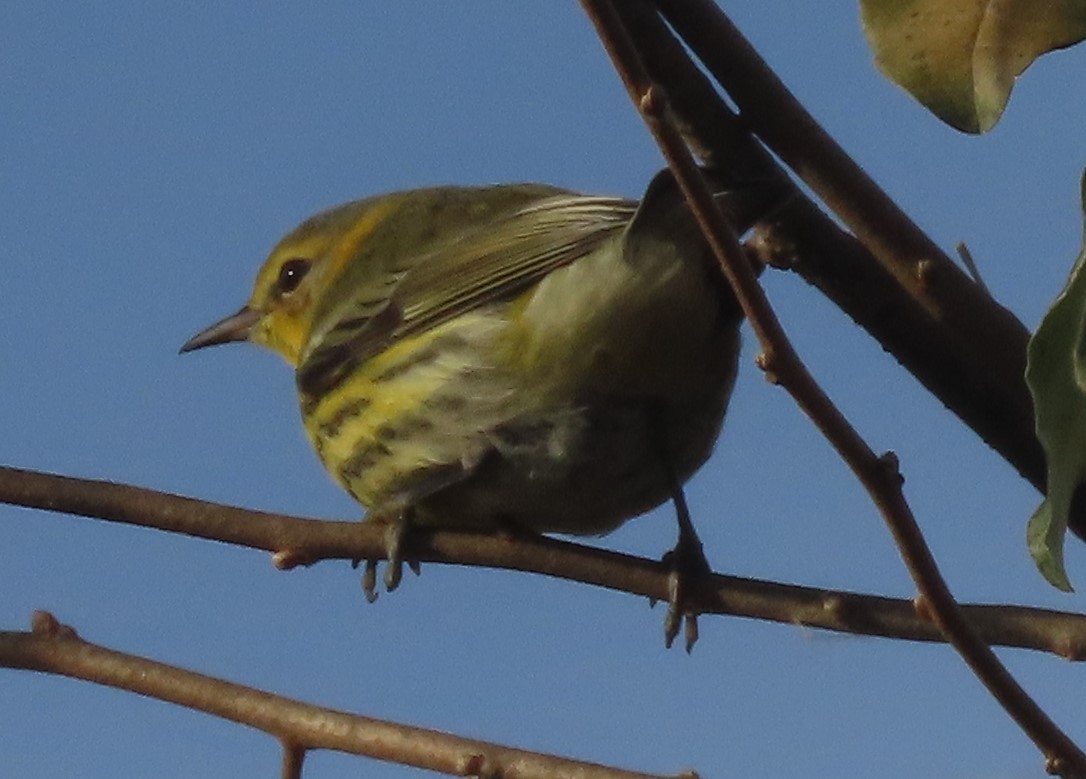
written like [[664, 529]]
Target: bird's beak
[[235, 327]]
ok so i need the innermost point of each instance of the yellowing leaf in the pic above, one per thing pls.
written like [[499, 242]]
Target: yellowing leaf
[[960, 57], [1056, 374]]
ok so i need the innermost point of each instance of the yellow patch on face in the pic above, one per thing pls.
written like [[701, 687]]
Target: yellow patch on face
[[345, 247], [285, 323], [287, 319], [282, 331]]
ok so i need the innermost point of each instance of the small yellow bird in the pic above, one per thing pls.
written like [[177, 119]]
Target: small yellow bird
[[518, 356]]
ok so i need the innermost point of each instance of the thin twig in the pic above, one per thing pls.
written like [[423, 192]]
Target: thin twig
[[293, 760], [967, 349], [879, 475], [295, 541], [971, 265], [55, 648], [801, 238]]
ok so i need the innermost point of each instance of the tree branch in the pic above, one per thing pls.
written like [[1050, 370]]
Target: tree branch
[[879, 475], [54, 648], [296, 541], [957, 341]]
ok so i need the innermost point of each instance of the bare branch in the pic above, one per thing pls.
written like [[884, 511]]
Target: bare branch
[[55, 648], [879, 475], [293, 760], [958, 342], [296, 541]]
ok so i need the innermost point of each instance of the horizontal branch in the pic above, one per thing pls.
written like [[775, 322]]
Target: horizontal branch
[[296, 541], [54, 648]]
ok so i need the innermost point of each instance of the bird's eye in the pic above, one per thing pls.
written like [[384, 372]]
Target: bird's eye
[[291, 274]]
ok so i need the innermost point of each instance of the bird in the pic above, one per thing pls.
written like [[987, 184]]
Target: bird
[[512, 357]]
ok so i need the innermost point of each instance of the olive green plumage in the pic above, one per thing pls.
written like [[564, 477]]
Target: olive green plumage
[[501, 356]]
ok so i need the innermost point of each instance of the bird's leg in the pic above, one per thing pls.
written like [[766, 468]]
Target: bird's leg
[[686, 562]]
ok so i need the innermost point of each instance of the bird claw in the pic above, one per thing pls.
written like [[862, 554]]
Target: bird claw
[[369, 581], [673, 620], [394, 535], [687, 565]]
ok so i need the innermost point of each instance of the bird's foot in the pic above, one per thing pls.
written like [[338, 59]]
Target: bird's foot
[[397, 528], [687, 566]]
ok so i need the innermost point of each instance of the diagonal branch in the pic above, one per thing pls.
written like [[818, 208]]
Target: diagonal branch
[[879, 475], [295, 541], [958, 342], [55, 648], [991, 342]]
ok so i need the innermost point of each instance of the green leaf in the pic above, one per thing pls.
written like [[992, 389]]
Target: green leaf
[[1056, 374], [960, 57]]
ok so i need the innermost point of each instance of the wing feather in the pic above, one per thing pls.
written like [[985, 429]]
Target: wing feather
[[483, 265]]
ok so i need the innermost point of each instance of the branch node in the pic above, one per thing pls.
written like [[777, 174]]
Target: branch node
[[834, 606], [1054, 766], [288, 559], [892, 467], [43, 623], [925, 274], [478, 765], [766, 360], [653, 102], [1067, 648], [767, 246]]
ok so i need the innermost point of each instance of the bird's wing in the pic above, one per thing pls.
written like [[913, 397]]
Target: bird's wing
[[481, 266]]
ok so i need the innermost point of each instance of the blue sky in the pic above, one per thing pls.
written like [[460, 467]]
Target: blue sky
[[150, 157]]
